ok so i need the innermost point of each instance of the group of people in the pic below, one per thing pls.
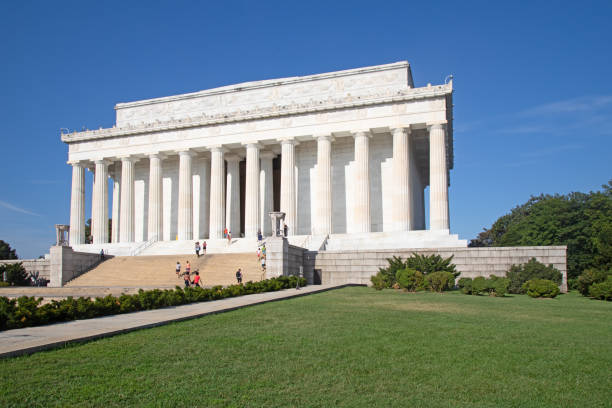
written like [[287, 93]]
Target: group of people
[[187, 275], [261, 256], [199, 248]]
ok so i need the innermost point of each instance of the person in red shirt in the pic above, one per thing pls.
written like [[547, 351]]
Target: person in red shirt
[[196, 279]]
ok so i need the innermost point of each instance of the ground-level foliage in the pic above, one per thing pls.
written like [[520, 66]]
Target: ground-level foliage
[[581, 221], [14, 274], [492, 286], [417, 272], [354, 347], [533, 269], [27, 311]]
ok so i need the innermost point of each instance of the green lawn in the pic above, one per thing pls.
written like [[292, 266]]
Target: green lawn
[[349, 347]]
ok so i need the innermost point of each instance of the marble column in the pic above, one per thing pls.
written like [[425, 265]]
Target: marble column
[[266, 191], [115, 223], [288, 193], [362, 182], [77, 205], [201, 197], [251, 203], [402, 186], [217, 183], [438, 178], [156, 208], [185, 198], [232, 195], [323, 209], [126, 231], [99, 221]]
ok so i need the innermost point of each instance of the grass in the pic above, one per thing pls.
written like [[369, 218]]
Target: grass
[[350, 347]]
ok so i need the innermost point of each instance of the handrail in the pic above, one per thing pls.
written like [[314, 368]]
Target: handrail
[[143, 246]]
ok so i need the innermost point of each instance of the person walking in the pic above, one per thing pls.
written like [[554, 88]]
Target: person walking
[[258, 253], [263, 264], [239, 276], [178, 269], [186, 278], [225, 233], [196, 279], [187, 267], [259, 236], [203, 247], [197, 248], [229, 237], [285, 229]]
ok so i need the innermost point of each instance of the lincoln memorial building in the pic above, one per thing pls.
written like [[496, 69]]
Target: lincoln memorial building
[[346, 155]]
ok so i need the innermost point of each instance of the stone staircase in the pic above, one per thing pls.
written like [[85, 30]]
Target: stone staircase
[[159, 270]]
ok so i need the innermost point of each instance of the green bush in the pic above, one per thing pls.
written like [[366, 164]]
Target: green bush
[[27, 311], [497, 286], [493, 286], [410, 279], [602, 290], [4, 284], [425, 264], [465, 285], [572, 284], [589, 277], [541, 288], [15, 274], [479, 285], [440, 281], [519, 274]]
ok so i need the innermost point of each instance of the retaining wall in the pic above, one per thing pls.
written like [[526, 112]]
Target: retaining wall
[[340, 267], [67, 264], [42, 266]]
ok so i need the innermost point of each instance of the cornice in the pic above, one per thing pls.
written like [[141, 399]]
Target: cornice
[[240, 115]]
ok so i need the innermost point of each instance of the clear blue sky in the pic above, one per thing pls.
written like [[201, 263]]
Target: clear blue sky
[[533, 80]]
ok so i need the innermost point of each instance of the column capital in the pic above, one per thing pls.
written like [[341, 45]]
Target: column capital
[[77, 163], [436, 125], [185, 152], [361, 133], [127, 158], [401, 130], [217, 148], [324, 136], [156, 155], [103, 161], [266, 154], [288, 140], [252, 145]]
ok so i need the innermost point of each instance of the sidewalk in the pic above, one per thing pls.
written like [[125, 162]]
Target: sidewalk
[[32, 339]]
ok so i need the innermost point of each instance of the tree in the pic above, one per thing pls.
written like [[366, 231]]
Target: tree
[[6, 252], [581, 221]]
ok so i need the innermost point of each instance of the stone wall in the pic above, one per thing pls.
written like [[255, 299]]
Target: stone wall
[[67, 264], [338, 267], [42, 266]]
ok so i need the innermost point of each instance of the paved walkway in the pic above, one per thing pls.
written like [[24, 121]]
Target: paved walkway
[[32, 339]]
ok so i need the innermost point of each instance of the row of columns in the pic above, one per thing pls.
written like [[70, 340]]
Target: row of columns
[[258, 197]]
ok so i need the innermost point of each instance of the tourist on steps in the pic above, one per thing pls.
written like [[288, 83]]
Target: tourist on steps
[[197, 248], [187, 268], [196, 279], [186, 278], [203, 247], [239, 276], [229, 237], [178, 269], [259, 236]]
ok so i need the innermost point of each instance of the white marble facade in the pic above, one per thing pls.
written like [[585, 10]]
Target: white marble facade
[[354, 150]]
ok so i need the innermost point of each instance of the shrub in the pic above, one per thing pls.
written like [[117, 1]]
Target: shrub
[[440, 281], [497, 286], [465, 285], [15, 274], [4, 284], [479, 285], [425, 264], [26, 311], [541, 288], [588, 278], [602, 290], [519, 274], [410, 279]]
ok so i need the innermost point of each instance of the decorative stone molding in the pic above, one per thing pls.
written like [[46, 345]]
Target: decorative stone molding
[[239, 115]]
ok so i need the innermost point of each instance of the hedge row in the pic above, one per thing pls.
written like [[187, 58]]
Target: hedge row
[[27, 311]]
